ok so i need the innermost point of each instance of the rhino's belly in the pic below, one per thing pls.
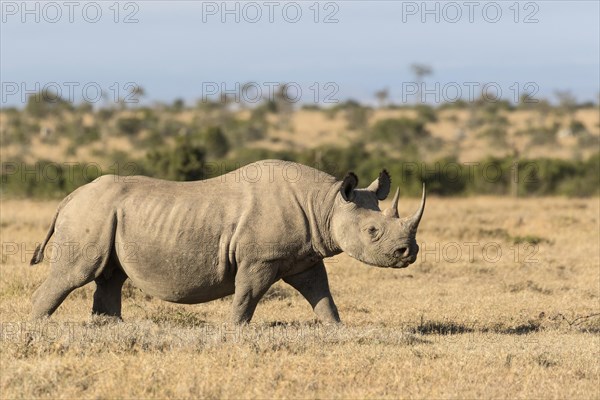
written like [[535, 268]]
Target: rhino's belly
[[176, 275], [188, 295], [174, 251]]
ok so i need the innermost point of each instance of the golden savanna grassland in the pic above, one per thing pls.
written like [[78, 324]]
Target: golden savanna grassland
[[503, 302]]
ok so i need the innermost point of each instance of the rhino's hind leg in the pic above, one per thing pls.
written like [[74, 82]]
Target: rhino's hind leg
[[54, 291], [107, 297], [81, 257]]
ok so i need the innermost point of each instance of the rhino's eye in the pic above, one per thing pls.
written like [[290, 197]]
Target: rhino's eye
[[372, 231]]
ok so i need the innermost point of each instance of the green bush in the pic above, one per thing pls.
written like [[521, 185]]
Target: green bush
[[588, 140], [243, 131], [171, 127], [336, 161], [577, 127], [46, 179], [88, 134], [215, 142], [185, 162], [129, 125], [445, 177], [495, 135], [399, 131], [426, 113], [539, 135], [45, 102], [153, 138], [357, 117]]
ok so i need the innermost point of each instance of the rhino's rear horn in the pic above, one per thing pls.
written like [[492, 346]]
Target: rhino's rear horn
[[392, 211]]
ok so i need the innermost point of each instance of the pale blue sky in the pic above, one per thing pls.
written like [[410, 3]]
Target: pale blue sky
[[171, 51]]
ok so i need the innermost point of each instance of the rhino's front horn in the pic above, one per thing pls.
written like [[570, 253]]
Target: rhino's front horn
[[416, 217], [392, 211]]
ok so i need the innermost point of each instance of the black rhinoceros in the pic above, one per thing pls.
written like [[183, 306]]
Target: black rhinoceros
[[193, 242]]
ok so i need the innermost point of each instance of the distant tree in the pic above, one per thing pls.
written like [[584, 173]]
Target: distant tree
[[577, 127], [539, 136], [138, 92], [257, 126], [105, 114], [129, 125], [216, 142], [382, 97], [543, 108], [45, 102], [185, 162], [357, 116], [283, 101], [459, 104], [496, 136], [567, 103], [426, 113], [133, 96], [284, 105], [178, 105], [85, 107], [528, 101], [420, 71], [399, 131], [311, 107]]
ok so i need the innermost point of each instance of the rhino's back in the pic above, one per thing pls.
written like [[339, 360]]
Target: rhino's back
[[265, 199]]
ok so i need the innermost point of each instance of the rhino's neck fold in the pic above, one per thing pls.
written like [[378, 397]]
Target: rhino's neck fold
[[320, 213]]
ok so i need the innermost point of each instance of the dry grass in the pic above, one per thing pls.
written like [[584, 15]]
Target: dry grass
[[524, 326]]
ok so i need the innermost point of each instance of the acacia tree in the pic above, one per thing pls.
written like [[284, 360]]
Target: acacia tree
[[382, 97], [420, 71], [567, 103]]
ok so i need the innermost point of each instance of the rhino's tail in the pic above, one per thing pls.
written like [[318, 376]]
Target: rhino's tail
[[38, 254]]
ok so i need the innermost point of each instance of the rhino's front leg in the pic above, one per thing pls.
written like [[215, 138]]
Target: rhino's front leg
[[314, 286], [251, 283]]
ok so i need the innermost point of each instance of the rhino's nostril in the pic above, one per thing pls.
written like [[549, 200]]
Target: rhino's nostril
[[401, 252]]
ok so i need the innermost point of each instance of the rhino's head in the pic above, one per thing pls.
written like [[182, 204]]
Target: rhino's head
[[375, 237]]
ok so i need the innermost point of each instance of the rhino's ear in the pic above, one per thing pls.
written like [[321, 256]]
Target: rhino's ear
[[348, 185], [381, 186]]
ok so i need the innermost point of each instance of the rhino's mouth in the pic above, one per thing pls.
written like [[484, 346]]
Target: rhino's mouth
[[397, 265], [402, 264], [406, 262]]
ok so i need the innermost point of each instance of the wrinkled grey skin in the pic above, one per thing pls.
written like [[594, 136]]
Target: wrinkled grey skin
[[193, 242]]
